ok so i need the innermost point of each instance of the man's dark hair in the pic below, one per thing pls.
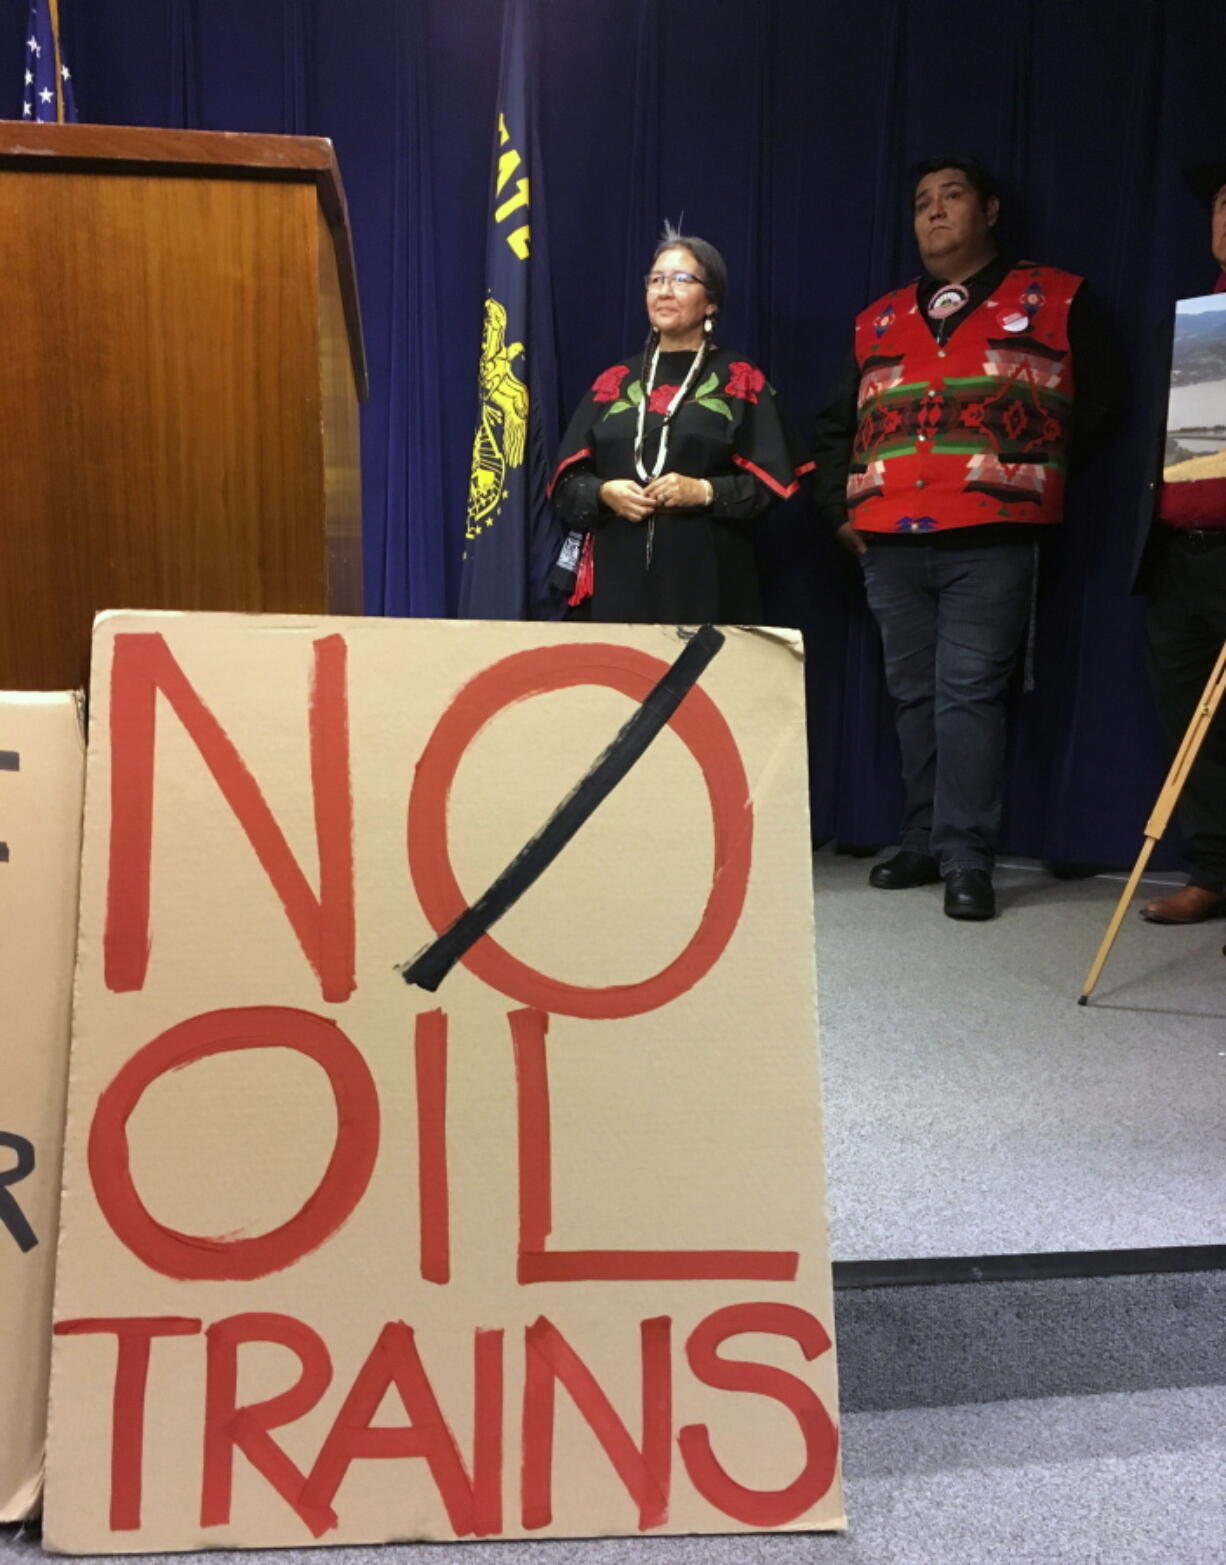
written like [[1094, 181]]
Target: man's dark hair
[[714, 272], [978, 175]]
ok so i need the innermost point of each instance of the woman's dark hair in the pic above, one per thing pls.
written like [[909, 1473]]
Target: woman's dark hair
[[714, 272], [978, 175]]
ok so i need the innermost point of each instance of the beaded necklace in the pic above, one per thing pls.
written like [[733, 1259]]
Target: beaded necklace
[[682, 392], [657, 467]]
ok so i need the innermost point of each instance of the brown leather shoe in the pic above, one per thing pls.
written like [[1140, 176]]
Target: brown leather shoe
[[1190, 906]]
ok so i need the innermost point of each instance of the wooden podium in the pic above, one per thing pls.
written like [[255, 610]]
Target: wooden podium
[[183, 362]]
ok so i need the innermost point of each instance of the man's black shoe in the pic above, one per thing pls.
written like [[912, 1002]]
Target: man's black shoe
[[903, 870], [969, 894]]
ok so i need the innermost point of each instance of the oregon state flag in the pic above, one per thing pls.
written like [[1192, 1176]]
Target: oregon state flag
[[510, 537]]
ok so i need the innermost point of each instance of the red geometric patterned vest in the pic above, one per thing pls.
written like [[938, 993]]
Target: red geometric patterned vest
[[973, 432]]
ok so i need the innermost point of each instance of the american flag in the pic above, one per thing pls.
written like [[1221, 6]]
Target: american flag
[[48, 89]]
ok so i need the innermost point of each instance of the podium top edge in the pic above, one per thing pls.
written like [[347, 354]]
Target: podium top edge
[[154, 147], [140, 149]]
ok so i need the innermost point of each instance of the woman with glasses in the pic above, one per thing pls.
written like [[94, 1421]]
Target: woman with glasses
[[668, 461]]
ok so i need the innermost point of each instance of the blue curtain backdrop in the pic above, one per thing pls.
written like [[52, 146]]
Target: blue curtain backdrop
[[781, 131]]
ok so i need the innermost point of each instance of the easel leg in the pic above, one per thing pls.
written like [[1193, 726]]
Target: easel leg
[[1164, 806]]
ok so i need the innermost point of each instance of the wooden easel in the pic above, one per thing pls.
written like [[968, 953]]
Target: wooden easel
[[1157, 823]]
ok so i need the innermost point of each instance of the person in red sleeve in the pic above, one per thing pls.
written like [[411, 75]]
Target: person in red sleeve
[[940, 462], [1183, 570]]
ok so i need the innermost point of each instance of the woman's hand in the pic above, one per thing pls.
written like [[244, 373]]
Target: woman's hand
[[627, 498], [674, 490]]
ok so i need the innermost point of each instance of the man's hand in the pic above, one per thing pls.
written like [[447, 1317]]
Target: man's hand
[[627, 498], [851, 539], [673, 490]]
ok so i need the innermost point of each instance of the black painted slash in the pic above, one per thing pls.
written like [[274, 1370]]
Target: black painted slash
[[10, 761], [428, 969]]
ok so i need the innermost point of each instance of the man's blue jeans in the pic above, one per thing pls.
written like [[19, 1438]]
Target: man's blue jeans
[[953, 623]]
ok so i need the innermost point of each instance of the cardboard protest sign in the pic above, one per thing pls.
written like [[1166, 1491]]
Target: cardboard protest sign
[[444, 1153], [42, 774], [1196, 412]]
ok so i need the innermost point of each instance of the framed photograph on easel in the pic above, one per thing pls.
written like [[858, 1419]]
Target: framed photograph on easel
[[1196, 412]]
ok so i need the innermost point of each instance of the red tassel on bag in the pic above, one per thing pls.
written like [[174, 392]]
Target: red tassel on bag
[[585, 577]]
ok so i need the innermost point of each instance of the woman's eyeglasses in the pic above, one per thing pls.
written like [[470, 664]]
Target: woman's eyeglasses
[[654, 281]]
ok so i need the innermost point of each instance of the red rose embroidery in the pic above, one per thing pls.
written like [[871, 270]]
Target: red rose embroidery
[[745, 381], [607, 387], [661, 399]]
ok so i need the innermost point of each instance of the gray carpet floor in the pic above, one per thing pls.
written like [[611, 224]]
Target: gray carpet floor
[[973, 1108], [941, 1345]]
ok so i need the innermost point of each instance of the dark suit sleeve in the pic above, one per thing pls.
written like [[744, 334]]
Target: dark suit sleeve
[[1151, 475], [1101, 389], [833, 438]]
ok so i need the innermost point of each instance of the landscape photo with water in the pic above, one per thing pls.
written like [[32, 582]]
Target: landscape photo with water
[[1196, 415]]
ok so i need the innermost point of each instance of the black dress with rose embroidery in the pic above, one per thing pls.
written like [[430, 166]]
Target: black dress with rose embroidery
[[693, 566]]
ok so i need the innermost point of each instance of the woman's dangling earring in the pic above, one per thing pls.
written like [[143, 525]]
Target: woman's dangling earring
[[706, 325]]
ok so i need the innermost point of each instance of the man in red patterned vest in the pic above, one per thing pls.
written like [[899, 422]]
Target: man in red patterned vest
[[941, 460], [1183, 529]]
